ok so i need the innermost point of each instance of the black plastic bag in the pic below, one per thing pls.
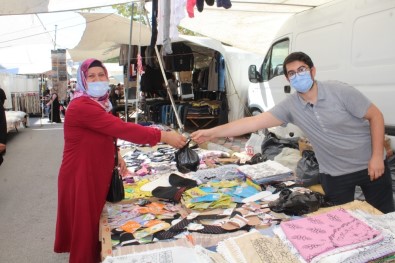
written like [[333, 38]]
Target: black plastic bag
[[187, 160], [116, 192], [307, 170], [296, 203], [272, 145]]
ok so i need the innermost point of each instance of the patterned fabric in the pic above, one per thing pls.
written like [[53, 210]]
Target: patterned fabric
[[209, 240], [225, 172], [163, 235], [384, 223], [266, 172], [182, 242], [315, 235], [209, 229], [255, 248], [354, 205], [174, 230]]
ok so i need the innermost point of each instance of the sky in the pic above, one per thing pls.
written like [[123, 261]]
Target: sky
[[27, 41]]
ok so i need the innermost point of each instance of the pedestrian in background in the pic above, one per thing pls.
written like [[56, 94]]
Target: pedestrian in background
[[54, 109], [114, 99], [3, 125]]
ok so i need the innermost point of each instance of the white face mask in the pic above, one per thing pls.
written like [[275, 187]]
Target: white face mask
[[98, 89]]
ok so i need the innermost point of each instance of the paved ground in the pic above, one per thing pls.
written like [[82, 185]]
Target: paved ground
[[28, 194]]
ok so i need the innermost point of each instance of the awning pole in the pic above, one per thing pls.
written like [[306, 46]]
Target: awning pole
[[137, 68], [180, 125], [127, 86]]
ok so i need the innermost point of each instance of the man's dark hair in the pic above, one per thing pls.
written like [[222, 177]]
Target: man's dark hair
[[297, 56]]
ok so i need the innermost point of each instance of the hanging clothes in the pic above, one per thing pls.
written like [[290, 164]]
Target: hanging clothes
[[182, 58], [154, 29], [213, 74], [221, 72], [152, 82], [170, 14], [28, 102], [164, 26]]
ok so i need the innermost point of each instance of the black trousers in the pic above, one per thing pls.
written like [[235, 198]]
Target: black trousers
[[378, 193]]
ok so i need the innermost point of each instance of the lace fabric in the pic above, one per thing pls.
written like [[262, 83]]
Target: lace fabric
[[254, 247]]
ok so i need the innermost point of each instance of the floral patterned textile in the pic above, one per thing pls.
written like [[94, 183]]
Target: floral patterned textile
[[315, 235], [384, 223]]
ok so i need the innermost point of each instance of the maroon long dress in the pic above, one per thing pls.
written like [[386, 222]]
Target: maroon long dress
[[85, 173]]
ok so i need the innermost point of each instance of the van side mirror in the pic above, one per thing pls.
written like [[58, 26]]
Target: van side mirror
[[253, 74], [278, 70]]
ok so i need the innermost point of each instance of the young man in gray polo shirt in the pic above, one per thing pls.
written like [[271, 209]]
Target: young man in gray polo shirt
[[345, 128]]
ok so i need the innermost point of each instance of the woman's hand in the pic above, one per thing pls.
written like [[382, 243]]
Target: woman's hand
[[173, 138], [122, 165]]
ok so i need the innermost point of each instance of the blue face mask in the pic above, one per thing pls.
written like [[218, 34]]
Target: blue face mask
[[302, 83], [98, 89]]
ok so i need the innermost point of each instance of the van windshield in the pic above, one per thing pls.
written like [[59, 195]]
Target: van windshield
[[273, 63]]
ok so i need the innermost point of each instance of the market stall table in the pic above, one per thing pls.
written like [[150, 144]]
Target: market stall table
[[201, 120]]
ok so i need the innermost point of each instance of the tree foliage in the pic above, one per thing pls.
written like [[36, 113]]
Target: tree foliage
[[129, 10]]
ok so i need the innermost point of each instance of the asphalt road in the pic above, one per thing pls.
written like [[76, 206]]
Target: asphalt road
[[28, 194]]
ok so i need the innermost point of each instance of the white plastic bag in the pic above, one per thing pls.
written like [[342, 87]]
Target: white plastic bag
[[253, 145]]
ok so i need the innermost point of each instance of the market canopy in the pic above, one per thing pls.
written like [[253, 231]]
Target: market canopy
[[18, 7], [249, 25], [104, 34]]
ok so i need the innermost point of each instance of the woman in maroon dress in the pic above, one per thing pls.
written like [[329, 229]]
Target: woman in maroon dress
[[88, 160]]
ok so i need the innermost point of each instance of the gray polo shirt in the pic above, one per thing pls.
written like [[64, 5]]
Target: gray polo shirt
[[335, 126]]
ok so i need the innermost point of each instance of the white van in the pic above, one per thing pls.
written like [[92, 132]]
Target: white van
[[348, 40]]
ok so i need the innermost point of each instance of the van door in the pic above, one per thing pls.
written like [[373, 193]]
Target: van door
[[273, 86], [270, 86], [276, 85]]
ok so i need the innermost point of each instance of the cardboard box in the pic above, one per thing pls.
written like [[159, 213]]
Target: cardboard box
[[304, 144], [105, 236], [387, 146]]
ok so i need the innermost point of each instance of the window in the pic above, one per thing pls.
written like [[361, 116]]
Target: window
[[273, 64]]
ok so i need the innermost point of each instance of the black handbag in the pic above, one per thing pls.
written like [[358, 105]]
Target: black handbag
[[116, 192]]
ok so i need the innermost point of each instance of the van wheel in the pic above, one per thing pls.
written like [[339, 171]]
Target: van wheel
[[255, 111]]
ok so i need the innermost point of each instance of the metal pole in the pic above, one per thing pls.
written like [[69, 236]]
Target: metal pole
[[141, 6], [127, 86], [180, 125], [54, 44], [41, 95]]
